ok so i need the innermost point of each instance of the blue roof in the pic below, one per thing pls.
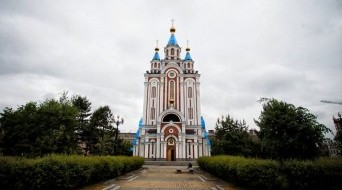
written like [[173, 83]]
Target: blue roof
[[172, 40], [137, 135], [206, 136], [156, 56], [188, 56], [202, 123]]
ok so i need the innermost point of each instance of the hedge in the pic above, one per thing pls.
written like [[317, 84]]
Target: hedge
[[62, 172], [269, 174]]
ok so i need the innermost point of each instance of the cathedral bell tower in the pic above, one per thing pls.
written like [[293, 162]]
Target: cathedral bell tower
[[171, 127], [172, 50], [155, 62]]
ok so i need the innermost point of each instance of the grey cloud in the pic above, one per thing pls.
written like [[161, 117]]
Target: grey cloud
[[244, 50]]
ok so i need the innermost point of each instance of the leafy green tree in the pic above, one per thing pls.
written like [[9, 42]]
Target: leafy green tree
[[123, 147], [86, 133], [232, 138], [102, 119], [338, 141], [287, 131], [338, 136], [2, 134], [56, 127], [18, 129], [34, 129]]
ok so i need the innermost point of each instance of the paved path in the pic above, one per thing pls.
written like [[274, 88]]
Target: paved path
[[163, 177]]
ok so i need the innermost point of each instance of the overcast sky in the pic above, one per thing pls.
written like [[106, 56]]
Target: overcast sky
[[290, 50]]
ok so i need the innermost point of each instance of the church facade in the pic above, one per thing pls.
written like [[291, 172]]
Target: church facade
[[172, 127]]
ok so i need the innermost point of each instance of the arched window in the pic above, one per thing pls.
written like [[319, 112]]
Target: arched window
[[172, 90], [177, 52], [155, 64], [167, 52], [189, 92], [172, 51], [153, 92], [171, 117]]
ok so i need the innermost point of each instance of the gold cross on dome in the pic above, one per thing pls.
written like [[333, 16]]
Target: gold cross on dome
[[172, 20]]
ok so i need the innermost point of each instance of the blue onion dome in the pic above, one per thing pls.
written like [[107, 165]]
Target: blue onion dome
[[188, 57], [172, 40], [156, 54]]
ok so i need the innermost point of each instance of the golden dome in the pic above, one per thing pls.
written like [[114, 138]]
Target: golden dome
[[172, 29]]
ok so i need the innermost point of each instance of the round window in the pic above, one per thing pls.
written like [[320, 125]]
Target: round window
[[172, 74], [170, 130]]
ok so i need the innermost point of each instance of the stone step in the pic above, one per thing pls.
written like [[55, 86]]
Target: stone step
[[170, 163]]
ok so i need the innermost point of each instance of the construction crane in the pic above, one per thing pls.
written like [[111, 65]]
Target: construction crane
[[331, 102]]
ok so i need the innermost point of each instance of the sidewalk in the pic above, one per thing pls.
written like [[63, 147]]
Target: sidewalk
[[164, 177]]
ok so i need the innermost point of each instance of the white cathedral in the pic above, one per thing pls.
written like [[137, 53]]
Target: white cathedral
[[172, 127]]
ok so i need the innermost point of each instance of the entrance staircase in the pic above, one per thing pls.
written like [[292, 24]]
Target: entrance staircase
[[170, 163]]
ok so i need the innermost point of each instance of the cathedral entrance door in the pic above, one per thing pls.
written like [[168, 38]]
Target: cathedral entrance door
[[171, 150], [171, 154]]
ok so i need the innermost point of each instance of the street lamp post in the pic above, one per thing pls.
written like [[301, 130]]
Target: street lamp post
[[118, 121]]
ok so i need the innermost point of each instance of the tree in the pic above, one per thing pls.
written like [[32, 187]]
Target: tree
[[56, 127], [338, 136], [86, 133], [123, 147], [232, 138], [338, 141], [18, 127], [287, 131], [102, 120], [39, 129]]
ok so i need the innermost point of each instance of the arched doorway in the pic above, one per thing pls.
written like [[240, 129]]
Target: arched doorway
[[171, 150]]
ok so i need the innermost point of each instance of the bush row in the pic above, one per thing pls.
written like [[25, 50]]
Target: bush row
[[62, 172], [269, 174]]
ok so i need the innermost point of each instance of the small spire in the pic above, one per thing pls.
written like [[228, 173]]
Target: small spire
[[172, 29]]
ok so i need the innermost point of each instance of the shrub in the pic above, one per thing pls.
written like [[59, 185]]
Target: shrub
[[62, 172], [269, 174], [242, 171], [323, 173]]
